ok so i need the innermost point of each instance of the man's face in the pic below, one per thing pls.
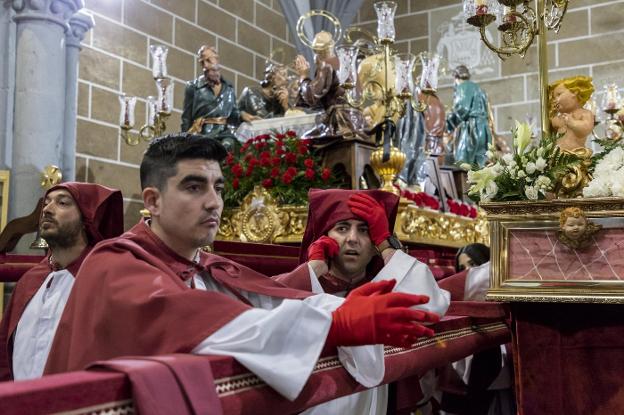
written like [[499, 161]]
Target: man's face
[[565, 100], [209, 62], [61, 221], [188, 209], [574, 228], [356, 248]]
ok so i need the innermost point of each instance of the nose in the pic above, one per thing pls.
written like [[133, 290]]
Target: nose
[[213, 200], [47, 208], [352, 236]]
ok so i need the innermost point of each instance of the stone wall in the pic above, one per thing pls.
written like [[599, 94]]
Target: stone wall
[[590, 42], [115, 58]]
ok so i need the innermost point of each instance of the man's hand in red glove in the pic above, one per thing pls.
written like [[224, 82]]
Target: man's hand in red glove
[[320, 252], [371, 211], [372, 314]]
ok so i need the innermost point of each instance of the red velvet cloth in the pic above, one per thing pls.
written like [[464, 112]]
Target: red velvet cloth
[[175, 384], [12, 266], [569, 358], [266, 259]]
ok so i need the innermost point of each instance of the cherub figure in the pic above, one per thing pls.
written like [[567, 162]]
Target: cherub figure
[[575, 230], [567, 115]]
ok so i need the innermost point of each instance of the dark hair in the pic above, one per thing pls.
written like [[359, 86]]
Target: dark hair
[[478, 253], [461, 72], [162, 154]]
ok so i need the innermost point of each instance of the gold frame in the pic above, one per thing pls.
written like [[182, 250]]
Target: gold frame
[[505, 216]]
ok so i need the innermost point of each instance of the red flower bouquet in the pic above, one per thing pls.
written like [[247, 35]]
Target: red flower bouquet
[[283, 163], [421, 199]]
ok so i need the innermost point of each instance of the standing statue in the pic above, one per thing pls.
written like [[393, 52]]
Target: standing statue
[[270, 98], [567, 115], [210, 102], [468, 120], [325, 93]]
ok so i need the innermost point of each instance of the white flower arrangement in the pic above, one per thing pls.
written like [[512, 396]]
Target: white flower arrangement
[[529, 173], [608, 176]]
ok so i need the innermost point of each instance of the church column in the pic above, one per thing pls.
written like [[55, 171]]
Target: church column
[[79, 24], [39, 95], [7, 78]]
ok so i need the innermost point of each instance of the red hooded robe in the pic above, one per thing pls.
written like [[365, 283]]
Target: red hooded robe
[[102, 217], [130, 298], [326, 208]]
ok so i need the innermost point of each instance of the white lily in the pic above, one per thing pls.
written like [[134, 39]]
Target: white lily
[[522, 136]]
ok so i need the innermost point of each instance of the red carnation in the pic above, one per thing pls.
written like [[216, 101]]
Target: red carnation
[[262, 137], [291, 158], [280, 136], [258, 146], [235, 183], [287, 178], [267, 183], [291, 171], [248, 156], [325, 174], [473, 212], [309, 174], [276, 161], [229, 160], [280, 151], [275, 171], [265, 154], [237, 170], [309, 163], [291, 133], [265, 162], [303, 147]]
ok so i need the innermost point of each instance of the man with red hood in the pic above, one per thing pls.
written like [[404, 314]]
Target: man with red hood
[[154, 291], [75, 216], [348, 242]]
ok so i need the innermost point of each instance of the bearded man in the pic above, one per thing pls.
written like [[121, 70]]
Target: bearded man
[[75, 216]]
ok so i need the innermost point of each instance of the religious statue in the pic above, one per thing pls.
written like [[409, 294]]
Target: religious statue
[[468, 120], [575, 230], [210, 106], [270, 98], [325, 93], [567, 115]]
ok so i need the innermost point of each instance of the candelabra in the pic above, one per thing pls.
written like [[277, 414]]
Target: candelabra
[[517, 21], [388, 84], [613, 106], [158, 108], [50, 177]]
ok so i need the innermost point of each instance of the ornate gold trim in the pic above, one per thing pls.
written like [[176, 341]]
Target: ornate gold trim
[[125, 407]]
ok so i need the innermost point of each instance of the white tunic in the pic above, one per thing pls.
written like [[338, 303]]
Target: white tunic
[[412, 277], [281, 340], [37, 326]]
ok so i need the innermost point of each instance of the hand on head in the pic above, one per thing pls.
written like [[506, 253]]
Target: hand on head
[[372, 314], [371, 211]]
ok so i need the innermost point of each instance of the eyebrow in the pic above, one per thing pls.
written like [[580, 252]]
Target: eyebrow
[[194, 178]]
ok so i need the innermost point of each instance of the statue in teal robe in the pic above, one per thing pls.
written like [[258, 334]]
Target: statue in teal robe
[[468, 120]]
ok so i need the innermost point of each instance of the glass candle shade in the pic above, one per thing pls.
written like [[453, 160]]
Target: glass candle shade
[[430, 69], [347, 55], [404, 65], [126, 113], [611, 100], [165, 95], [159, 61], [385, 20], [152, 110]]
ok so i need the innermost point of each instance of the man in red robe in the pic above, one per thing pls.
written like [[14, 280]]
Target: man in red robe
[[154, 291], [75, 216], [348, 242]]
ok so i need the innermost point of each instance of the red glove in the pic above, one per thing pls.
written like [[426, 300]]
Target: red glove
[[367, 208], [372, 314], [323, 249]]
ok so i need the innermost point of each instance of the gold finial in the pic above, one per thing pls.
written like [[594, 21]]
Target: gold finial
[[50, 176]]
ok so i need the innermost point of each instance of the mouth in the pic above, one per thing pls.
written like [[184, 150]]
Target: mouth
[[350, 253], [211, 221]]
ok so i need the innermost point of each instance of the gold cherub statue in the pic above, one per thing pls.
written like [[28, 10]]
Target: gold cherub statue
[[567, 115], [575, 230]]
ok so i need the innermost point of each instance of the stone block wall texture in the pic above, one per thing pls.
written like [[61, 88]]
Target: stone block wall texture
[[115, 58], [590, 42]]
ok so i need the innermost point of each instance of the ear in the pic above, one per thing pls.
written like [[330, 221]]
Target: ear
[[152, 200]]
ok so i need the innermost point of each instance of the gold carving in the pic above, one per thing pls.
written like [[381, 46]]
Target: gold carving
[[572, 183], [259, 219], [575, 230]]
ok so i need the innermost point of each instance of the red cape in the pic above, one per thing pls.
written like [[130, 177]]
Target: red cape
[[130, 298], [26, 288]]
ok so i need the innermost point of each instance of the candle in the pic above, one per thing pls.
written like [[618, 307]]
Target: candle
[[482, 7]]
